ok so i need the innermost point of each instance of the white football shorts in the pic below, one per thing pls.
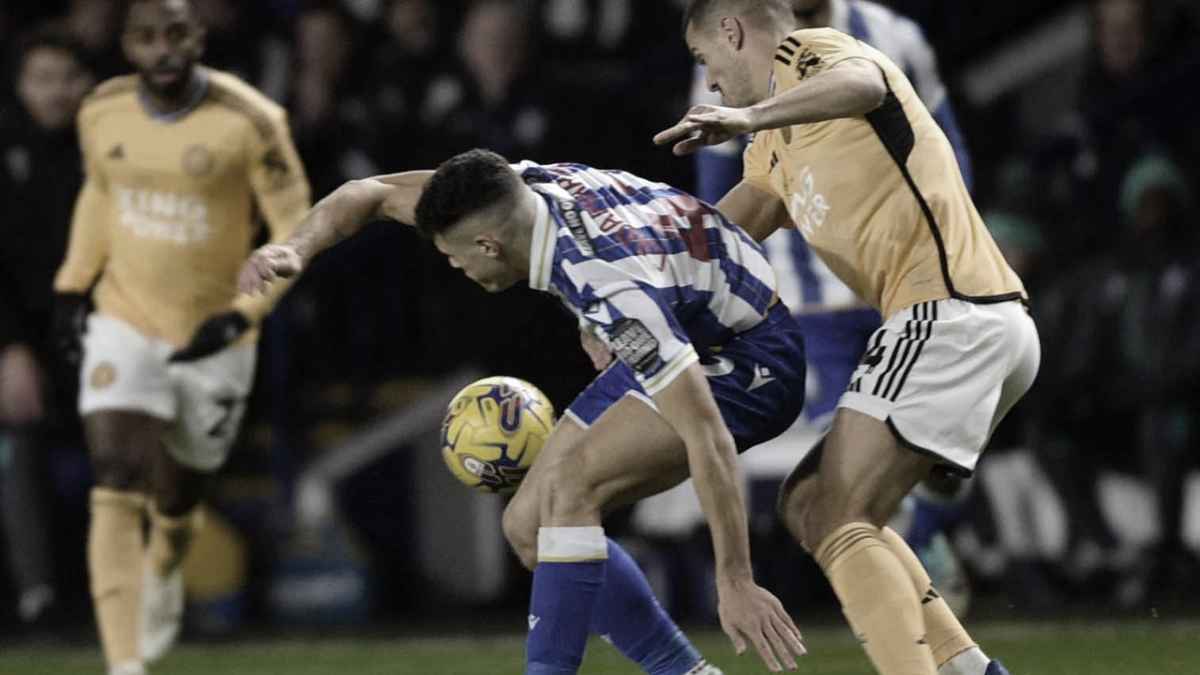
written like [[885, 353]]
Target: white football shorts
[[204, 400], [943, 374]]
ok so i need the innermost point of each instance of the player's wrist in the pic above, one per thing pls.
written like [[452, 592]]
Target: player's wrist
[[755, 118], [735, 578]]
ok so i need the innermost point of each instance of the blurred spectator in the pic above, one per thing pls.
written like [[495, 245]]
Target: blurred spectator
[[1159, 368], [1145, 52], [401, 69], [41, 173], [96, 25], [493, 96], [329, 119], [632, 52], [1121, 363], [238, 43]]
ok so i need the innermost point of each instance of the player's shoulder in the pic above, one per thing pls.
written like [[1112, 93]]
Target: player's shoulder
[[807, 43], [113, 94], [243, 100], [809, 51]]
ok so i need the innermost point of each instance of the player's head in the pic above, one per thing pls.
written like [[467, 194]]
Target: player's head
[[477, 212], [163, 40], [52, 78], [735, 41]]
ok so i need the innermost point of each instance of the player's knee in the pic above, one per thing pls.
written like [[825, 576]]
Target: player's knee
[[566, 493], [520, 529]]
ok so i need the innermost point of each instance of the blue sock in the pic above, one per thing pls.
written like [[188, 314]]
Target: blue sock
[[566, 582], [930, 515], [629, 616]]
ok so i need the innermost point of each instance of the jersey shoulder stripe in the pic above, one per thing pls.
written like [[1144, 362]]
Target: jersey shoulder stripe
[[786, 52], [231, 92]]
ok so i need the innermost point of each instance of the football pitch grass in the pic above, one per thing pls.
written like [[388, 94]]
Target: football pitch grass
[[1035, 648]]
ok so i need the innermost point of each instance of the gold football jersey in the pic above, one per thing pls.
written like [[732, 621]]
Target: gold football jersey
[[879, 198], [167, 214]]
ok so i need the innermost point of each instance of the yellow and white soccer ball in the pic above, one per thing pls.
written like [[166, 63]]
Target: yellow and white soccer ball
[[493, 430]]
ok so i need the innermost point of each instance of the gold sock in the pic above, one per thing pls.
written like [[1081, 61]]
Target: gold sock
[[171, 537], [947, 637], [878, 599], [114, 552]]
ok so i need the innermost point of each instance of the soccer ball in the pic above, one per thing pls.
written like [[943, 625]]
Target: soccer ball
[[493, 430]]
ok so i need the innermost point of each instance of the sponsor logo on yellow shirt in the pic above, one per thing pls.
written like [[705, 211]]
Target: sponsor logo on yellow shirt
[[166, 216]]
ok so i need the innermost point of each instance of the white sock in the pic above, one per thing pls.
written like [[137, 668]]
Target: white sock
[[971, 662], [128, 668]]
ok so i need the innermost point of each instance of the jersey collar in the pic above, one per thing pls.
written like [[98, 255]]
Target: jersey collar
[[199, 92], [541, 252]]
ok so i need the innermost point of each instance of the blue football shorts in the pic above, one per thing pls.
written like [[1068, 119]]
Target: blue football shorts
[[757, 379]]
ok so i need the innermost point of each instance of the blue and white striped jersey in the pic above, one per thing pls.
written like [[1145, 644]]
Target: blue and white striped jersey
[[653, 271]]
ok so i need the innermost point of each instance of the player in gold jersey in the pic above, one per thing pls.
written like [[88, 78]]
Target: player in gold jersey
[[844, 150], [178, 159]]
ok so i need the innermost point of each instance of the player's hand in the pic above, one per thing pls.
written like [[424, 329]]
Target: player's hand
[[706, 125], [20, 386], [750, 613], [595, 348], [268, 263], [215, 334], [68, 324]]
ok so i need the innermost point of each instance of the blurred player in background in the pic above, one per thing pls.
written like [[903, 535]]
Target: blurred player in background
[[177, 157], [39, 179], [837, 323], [708, 363], [845, 151]]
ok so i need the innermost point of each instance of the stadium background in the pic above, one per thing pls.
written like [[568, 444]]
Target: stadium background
[[1079, 118]]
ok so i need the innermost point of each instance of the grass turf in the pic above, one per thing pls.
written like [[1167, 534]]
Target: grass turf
[[1111, 648]]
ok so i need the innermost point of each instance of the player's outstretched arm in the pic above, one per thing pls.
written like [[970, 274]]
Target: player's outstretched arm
[[747, 611], [851, 88], [755, 210], [339, 215]]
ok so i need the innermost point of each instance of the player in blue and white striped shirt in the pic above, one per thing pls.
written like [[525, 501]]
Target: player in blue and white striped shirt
[[708, 363]]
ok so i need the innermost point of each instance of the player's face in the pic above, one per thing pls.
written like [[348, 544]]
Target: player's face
[[481, 256], [51, 85], [726, 67], [163, 41]]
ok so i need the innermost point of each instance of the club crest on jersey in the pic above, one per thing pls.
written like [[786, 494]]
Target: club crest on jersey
[[808, 60], [102, 376], [634, 344], [808, 207], [197, 161]]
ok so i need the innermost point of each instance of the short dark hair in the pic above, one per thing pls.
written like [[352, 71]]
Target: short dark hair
[[699, 10], [48, 38], [464, 184]]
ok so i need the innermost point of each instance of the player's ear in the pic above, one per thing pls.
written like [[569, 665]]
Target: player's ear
[[489, 245], [733, 31]]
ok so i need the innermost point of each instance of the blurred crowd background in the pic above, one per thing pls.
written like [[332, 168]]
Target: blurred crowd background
[[1080, 121]]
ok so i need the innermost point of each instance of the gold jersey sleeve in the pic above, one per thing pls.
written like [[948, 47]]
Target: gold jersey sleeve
[[879, 197], [169, 211]]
